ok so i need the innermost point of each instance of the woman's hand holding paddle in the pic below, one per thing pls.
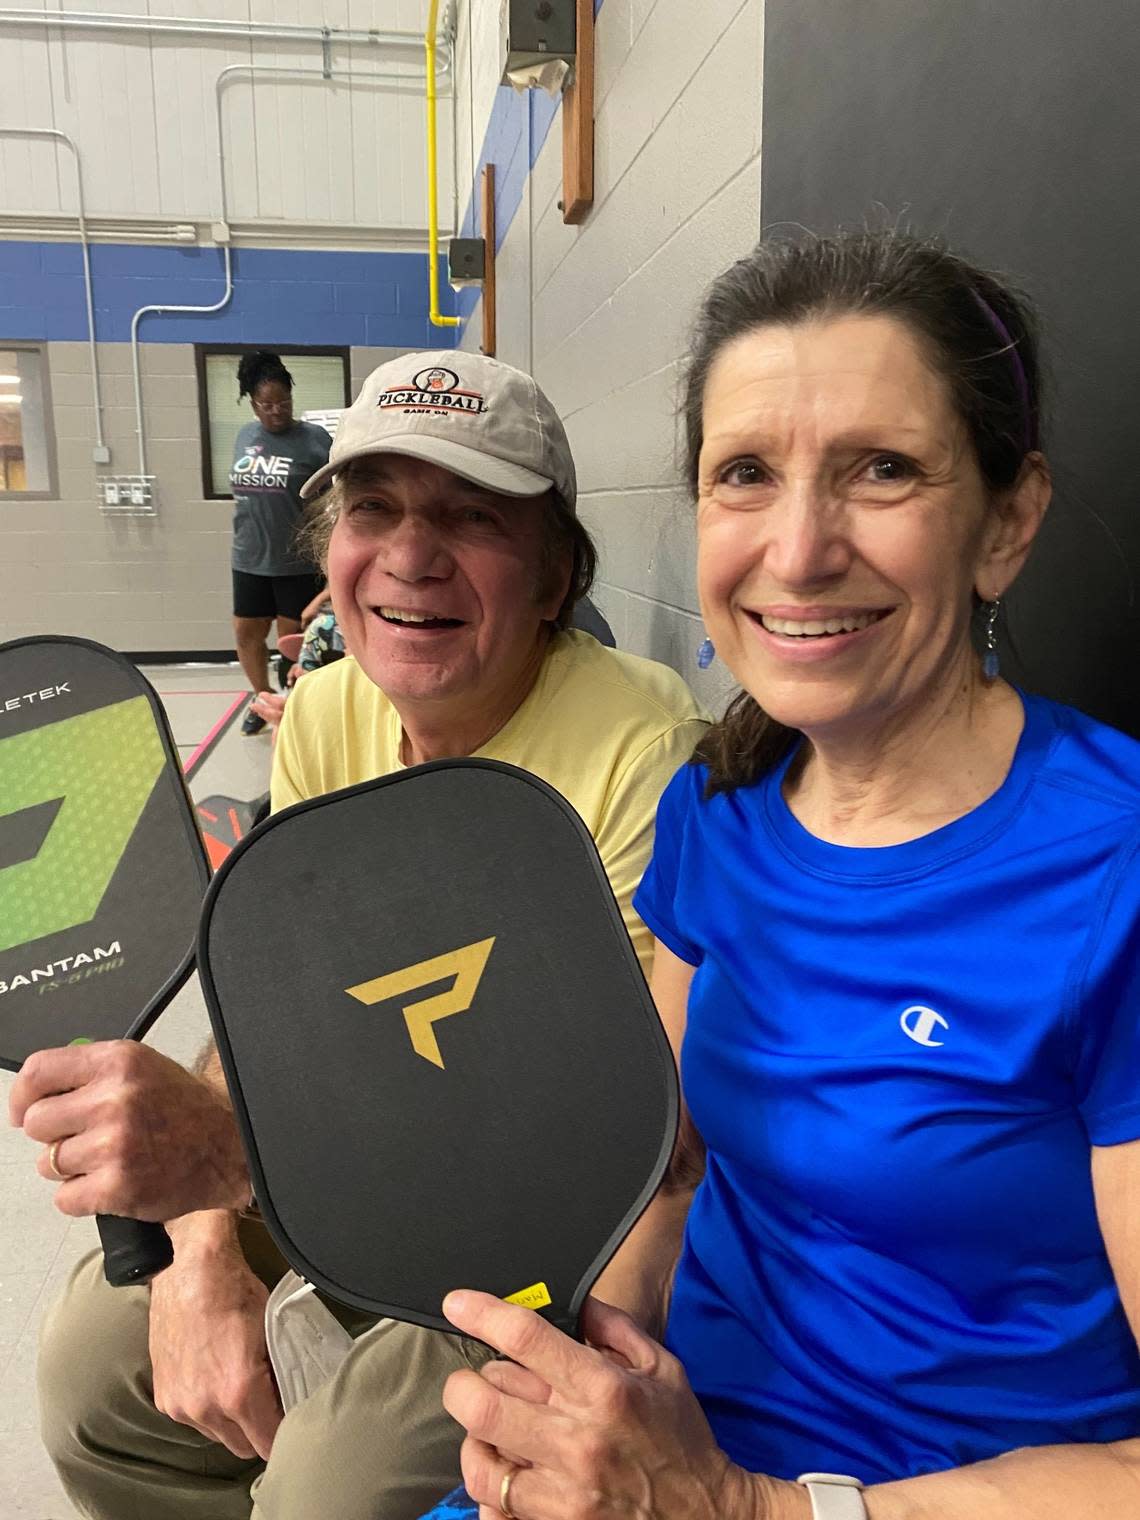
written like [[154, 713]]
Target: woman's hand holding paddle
[[599, 1430]]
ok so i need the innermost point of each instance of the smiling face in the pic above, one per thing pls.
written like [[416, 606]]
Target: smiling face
[[272, 404], [843, 524], [436, 587]]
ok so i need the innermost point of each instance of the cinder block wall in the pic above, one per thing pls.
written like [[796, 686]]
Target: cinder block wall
[[136, 583], [600, 312], [162, 583]]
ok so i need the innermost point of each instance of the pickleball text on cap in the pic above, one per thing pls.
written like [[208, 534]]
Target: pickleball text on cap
[[477, 417]]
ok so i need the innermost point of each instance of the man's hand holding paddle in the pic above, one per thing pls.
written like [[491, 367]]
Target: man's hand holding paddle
[[597, 1430], [135, 1133], [207, 1340], [128, 1131]]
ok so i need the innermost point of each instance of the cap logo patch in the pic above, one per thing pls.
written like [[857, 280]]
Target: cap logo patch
[[432, 390], [436, 380]]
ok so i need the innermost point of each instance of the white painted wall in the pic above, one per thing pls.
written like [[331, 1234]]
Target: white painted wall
[[477, 75], [142, 111], [600, 312]]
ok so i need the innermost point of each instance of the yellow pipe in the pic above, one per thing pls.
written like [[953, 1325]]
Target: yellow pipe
[[433, 214]]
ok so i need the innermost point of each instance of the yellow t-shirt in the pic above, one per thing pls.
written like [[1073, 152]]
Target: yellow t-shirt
[[605, 729]]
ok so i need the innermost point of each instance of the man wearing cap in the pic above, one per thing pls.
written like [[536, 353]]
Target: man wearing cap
[[454, 561]]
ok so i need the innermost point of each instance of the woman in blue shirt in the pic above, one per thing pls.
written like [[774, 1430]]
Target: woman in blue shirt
[[897, 905]]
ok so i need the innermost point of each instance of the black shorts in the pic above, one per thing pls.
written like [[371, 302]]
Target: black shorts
[[274, 596]]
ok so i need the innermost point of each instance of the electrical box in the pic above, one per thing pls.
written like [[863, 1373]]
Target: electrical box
[[536, 31], [131, 495], [466, 262]]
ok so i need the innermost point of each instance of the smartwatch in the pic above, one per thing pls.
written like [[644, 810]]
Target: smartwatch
[[834, 1496]]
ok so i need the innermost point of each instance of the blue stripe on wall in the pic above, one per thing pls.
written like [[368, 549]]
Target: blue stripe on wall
[[281, 295], [516, 132]]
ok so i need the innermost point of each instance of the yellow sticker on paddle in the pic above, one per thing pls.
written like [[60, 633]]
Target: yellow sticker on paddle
[[537, 1296]]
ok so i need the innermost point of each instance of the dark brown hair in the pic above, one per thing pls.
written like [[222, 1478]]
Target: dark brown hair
[[257, 367], [563, 534], [979, 335]]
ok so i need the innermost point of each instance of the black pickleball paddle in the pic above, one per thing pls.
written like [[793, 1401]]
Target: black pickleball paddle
[[102, 871], [450, 1072]]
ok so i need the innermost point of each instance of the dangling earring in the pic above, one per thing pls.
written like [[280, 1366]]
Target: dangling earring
[[990, 657], [706, 654]]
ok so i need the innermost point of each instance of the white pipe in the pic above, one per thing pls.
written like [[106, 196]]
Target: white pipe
[[303, 234], [62, 137], [144, 311], [95, 21], [27, 224]]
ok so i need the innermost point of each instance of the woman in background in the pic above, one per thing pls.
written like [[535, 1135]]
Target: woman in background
[[273, 578]]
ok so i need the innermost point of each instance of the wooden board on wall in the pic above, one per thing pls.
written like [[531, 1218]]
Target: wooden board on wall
[[489, 314], [578, 125]]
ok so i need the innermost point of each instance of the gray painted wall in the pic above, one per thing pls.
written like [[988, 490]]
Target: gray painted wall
[[1014, 130]]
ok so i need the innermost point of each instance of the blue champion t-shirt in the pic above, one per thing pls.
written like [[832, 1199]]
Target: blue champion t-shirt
[[898, 1059]]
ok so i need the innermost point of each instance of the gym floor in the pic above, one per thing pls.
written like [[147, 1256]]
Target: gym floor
[[38, 1246]]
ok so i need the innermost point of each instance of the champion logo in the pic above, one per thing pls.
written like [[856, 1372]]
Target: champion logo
[[433, 390], [919, 1023]]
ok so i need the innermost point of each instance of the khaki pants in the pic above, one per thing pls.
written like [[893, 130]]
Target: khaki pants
[[373, 1444]]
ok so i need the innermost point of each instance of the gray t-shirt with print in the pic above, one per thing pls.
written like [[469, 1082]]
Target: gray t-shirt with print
[[268, 472]]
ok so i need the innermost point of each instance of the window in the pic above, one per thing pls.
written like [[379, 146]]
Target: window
[[26, 454], [320, 383]]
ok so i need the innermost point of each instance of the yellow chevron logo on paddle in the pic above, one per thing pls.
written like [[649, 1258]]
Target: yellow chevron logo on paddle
[[466, 965]]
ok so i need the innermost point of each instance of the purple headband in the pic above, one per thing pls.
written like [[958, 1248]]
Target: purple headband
[[1003, 332]]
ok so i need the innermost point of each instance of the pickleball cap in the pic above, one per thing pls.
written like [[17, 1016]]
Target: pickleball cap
[[477, 417]]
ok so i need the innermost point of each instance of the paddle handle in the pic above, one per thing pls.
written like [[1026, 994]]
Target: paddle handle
[[133, 1251]]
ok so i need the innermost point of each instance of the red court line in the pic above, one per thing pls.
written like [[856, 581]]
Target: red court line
[[216, 731]]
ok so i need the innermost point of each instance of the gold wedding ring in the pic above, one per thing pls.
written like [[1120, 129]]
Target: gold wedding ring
[[53, 1161], [505, 1493]]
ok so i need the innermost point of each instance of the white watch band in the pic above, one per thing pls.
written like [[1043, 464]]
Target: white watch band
[[834, 1496]]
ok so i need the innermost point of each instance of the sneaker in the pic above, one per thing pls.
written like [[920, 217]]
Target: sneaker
[[252, 723]]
